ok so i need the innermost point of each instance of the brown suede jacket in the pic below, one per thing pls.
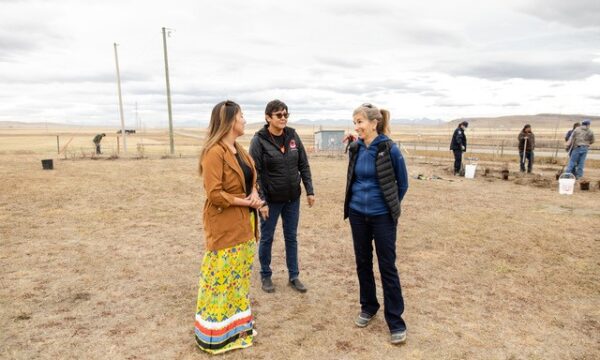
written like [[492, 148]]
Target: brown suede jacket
[[226, 225]]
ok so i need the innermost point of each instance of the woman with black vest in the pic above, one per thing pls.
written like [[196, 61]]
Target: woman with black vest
[[376, 183], [281, 163]]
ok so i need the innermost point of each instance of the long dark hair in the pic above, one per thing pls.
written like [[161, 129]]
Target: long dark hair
[[221, 122]]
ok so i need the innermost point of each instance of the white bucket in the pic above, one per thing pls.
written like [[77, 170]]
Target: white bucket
[[470, 171], [566, 184]]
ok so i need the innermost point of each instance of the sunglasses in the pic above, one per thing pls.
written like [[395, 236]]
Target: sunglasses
[[367, 105], [281, 115]]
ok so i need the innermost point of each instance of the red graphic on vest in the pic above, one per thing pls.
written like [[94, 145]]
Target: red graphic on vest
[[292, 144]]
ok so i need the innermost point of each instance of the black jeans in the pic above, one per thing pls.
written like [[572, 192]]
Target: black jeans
[[457, 160], [382, 229], [529, 158]]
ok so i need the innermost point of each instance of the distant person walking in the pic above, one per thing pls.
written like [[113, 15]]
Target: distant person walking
[[526, 146], [281, 163], [458, 145], [223, 317], [376, 183], [97, 140], [580, 141]]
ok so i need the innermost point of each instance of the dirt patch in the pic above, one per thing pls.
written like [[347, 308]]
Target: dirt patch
[[536, 180]]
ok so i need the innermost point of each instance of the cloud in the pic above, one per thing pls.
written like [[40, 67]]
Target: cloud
[[356, 9], [91, 77], [431, 36], [503, 70], [339, 62], [575, 13], [425, 59], [19, 38], [453, 104]]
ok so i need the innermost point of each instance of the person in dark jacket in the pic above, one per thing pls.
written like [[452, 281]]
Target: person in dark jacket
[[459, 145], [281, 163], [569, 147], [376, 184], [568, 134], [526, 146]]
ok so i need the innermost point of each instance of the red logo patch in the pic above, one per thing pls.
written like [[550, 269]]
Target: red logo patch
[[292, 144]]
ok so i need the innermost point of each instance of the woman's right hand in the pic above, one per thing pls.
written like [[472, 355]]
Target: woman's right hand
[[255, 202]]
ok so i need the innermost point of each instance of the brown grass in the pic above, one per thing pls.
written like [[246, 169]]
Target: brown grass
[[100, 260]]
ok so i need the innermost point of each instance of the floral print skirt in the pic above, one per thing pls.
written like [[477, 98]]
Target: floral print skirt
[[223, 317]]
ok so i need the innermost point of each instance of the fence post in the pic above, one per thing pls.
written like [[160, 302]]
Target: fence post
[[118, 146], [57, 145], [502, 149]]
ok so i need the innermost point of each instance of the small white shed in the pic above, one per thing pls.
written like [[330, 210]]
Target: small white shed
[[328, 140]]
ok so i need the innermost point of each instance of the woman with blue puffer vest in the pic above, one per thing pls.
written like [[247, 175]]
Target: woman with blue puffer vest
[[376, 184]]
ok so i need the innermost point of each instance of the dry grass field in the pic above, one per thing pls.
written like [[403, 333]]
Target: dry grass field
[[100, 260]]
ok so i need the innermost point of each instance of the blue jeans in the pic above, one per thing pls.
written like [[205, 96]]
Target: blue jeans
[[528, 158], [290, 213], [382, 229], [577, 161]]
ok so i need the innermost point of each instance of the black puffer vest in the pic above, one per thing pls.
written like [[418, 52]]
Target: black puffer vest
[[385, 176]]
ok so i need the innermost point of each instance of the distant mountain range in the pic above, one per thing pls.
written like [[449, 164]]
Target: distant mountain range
[[511, 121], [348, 122], [33, 125], [517, 121]]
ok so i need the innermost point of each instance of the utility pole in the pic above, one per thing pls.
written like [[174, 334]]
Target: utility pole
[[120, 101], [171, 143], [137, 119]]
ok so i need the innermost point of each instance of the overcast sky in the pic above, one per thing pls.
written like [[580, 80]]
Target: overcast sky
[[435, 59]]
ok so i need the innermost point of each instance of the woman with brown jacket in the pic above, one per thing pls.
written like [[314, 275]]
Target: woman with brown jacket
[[223, 317]]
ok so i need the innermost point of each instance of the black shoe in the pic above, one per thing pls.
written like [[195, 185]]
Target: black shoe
[[267, 285], [298, 286]]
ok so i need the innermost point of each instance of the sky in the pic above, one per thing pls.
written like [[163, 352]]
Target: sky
[[426, 59]]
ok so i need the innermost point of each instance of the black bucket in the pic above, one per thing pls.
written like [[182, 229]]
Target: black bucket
[[47, 164], [584, 185]]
